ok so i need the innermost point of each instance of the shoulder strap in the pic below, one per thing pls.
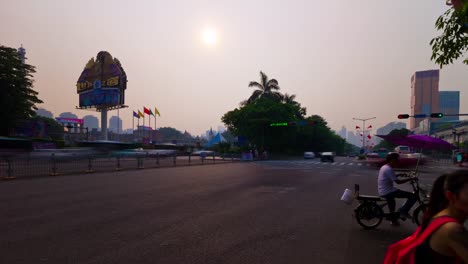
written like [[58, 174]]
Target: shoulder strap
[[434, 225]]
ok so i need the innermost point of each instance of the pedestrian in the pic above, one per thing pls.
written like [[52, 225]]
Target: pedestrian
[[449, 243], [386, 189]]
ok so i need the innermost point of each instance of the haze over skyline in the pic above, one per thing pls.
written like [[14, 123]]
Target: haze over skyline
[[193, 60]]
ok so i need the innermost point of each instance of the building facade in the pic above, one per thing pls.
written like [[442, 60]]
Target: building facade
[[449, 104], [424, 95]]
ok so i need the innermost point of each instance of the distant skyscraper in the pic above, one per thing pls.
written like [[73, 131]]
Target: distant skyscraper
[[91, 122], [449, 104], [22, 54], [115, 124], [342, 132], [354, 139], [424, 95]]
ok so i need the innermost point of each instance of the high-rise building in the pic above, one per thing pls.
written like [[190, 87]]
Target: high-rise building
[[22, 54], [424, 95], [115, 124], [449, 104], [343, 132], [91, 122]]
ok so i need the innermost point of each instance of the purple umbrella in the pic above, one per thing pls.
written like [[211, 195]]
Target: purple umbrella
[[419, 141]]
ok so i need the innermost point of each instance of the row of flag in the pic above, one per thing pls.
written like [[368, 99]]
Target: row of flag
[[147, 111], [368, 136], [369, 127]]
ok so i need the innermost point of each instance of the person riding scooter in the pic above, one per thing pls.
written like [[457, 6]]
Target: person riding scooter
[[386, 189]]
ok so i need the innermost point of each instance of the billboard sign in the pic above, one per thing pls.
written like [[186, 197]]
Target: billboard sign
[[108, 97], [64, 120], [102, 82]]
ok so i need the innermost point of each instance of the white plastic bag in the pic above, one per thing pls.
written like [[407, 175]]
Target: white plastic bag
[[347, 197]]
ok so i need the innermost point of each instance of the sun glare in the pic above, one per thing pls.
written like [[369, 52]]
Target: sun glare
[[210, 36]]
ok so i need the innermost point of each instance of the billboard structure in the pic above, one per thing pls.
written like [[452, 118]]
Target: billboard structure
[[101, 87]]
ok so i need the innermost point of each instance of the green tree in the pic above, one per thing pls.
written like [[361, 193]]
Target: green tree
[[453, 42], [169, 134], [291, 100], [389, 145], [54, 128], [17, 98], [253, 122], [266, 88]]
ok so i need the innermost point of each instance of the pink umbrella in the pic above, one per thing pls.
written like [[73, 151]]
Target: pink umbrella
[[419, 141]]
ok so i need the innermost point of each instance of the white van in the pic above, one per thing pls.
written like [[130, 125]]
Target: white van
[[402, 150]]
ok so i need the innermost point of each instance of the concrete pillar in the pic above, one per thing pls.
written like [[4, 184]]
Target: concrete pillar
[[104, 124]]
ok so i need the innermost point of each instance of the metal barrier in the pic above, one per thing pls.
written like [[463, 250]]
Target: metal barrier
[[55, 164]]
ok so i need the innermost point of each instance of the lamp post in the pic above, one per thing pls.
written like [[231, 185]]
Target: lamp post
[[363, 126], [456, 137]]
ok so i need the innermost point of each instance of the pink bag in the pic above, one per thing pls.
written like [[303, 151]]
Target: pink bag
[[402, 252]]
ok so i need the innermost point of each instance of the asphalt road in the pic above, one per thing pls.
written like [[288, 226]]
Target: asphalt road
[[259, 212]]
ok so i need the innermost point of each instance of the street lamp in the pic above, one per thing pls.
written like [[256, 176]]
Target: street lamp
[[363, 126]]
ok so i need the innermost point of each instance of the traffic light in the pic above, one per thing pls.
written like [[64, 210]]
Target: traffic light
[[279, 124], [403, 116], [420, 116], [437, 115]]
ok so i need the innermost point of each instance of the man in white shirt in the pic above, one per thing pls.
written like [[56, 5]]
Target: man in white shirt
[[388, 191]]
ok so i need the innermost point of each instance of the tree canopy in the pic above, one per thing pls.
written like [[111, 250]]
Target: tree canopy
[[395, 132], [453, 42], [253, 118], [17, 98]]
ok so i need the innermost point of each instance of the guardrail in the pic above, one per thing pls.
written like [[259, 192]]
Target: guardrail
[[54, 164]]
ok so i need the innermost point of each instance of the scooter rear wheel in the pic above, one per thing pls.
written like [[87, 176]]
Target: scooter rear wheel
[[418, 214], [369, 215]]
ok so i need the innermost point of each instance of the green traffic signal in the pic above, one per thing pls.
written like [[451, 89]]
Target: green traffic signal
[[279, 124], [437, 115]]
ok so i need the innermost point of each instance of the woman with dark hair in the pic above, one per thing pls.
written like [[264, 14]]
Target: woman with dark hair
[[449, 243]]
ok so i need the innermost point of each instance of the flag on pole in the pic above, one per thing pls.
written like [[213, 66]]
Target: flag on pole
[[141, 114], [156, 112], [146, 111], [151, 112], [136, 115], [370, 126], [357, 127]]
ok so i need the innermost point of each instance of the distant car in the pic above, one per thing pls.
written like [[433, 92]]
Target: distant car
[[327, 156], [309, 155], [352, 154]]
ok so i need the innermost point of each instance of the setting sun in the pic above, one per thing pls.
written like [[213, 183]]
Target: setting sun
[[210, 36]]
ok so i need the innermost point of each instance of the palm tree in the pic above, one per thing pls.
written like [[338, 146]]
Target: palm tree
[[265, 89], [289, 99]]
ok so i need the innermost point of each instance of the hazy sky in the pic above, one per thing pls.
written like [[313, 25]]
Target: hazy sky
[[342, 59]]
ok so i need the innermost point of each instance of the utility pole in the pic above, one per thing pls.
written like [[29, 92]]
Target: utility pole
[[456, 137], [363, 128]]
